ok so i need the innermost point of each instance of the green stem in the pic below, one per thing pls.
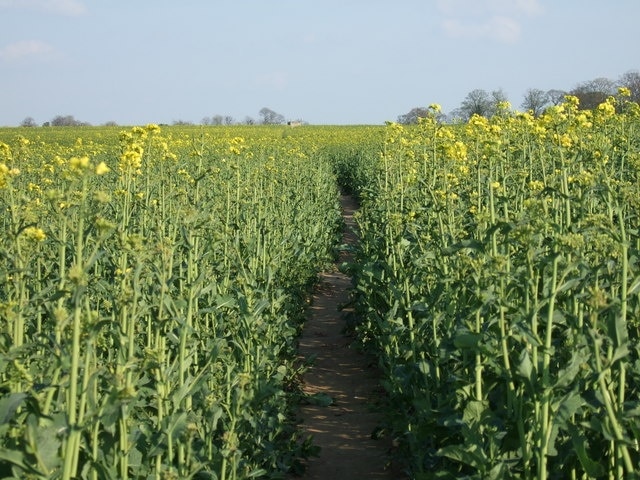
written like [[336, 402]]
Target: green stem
[[545, 430]]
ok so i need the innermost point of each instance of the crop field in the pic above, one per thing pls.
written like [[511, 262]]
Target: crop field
[[152, 285], [153, 282], [497, 282]]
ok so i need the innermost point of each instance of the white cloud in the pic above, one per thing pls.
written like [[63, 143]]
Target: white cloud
[[499, 20], [25, 49], [72, 8]]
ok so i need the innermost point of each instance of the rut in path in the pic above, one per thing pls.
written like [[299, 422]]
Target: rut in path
[[342, 429]]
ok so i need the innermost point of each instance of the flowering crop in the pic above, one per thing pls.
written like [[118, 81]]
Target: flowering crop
[[498, 282], [152, 284]]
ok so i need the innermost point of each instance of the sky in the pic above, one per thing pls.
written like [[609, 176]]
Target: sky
[[335, 62]]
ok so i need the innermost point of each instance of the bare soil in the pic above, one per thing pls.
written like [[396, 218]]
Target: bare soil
[[345, 377]]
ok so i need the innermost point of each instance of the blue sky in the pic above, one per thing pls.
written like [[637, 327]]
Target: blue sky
[[323, 61]]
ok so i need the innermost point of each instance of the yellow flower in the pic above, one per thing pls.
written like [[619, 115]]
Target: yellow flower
[[5, 150], [624, 92], [572, 101], [4, 174], [79, 163], [102, 168], [536, 185], [34, 233], [563, 140], [131, 159], [607, 107]]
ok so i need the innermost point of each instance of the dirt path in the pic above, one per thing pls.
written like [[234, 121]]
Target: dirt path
[[344, 376]]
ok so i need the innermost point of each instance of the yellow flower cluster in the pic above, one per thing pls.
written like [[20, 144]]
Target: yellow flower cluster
[[6, 173], [34, 234]]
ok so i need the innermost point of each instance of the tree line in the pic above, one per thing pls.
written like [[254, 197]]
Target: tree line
[[266, 116], [480, 102]]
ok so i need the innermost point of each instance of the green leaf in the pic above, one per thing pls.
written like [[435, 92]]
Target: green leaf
[[15, 457], [525, 367], [474, 411], [9, 405], [48, 440], [468, 243], [593, 468], [469, 455], [568, 375], [226, 301], [466, 340]]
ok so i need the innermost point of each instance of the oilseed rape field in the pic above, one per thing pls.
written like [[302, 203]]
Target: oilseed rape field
[[153, 282]]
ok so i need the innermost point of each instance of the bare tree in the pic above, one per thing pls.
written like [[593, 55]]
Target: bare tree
[[28, 122], [556, 97], [66, 121], [535, 101], [592, 93], [498, 98], [477, 102], [269, 117], [631, 80], [249, 121], [413, 115], [229, 120]]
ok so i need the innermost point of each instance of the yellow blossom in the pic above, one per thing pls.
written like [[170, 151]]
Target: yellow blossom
[[79, 163], [5, 150], [536, 185], [102, 168], [607, 108], [624, 92], [34, 233]]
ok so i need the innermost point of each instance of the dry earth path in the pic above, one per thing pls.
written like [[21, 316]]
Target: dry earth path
[[339, 372]]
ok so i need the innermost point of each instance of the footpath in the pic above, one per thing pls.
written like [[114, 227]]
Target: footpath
[[342, 384]]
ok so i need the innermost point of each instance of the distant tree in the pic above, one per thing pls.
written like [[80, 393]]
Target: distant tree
[[592, 93], [535, 101], [556, 97], [28, 122], [181, 122], [631, 80], [269, 117], [229, 120], [412, 116], [110, 123], [67, 121], [477, 102], [498, 99], [249, 121]]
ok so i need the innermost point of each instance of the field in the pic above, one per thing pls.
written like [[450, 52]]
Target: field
[[153, 282]]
